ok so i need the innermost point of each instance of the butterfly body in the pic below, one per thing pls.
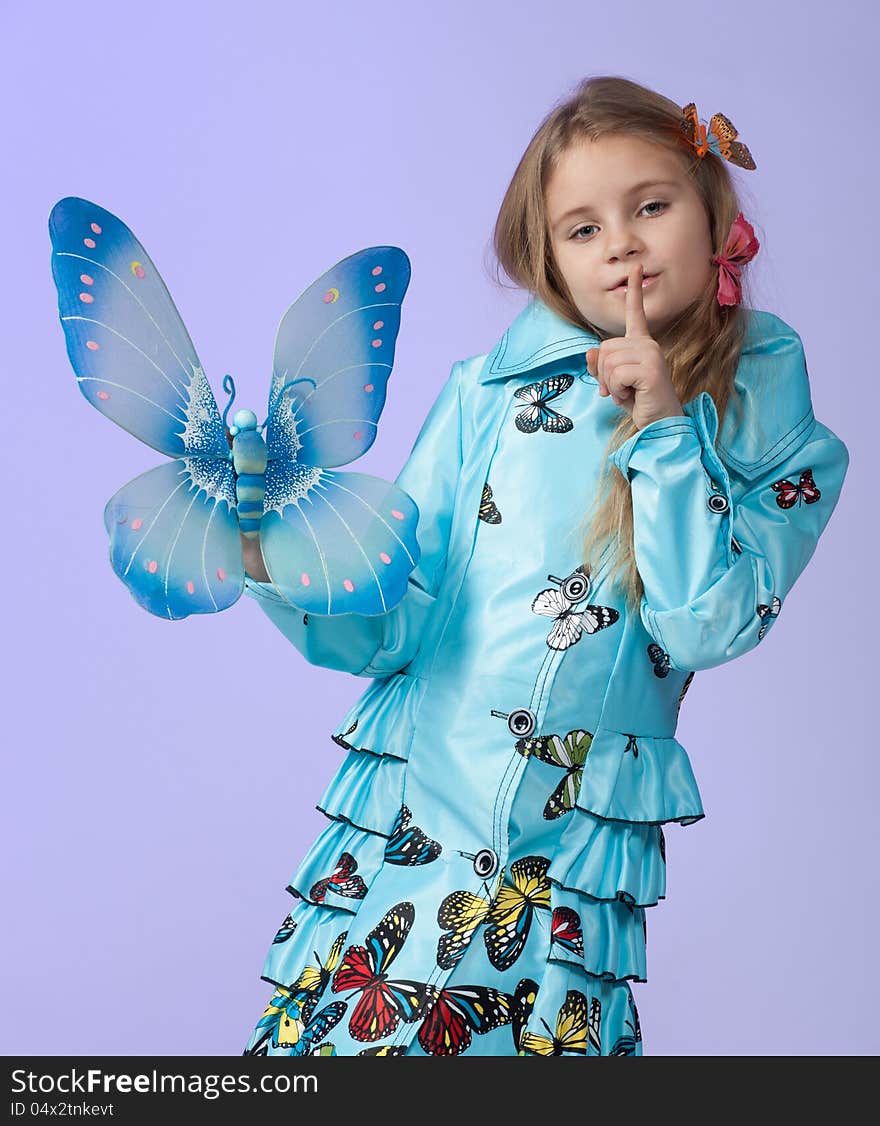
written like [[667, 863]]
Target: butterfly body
[[333, 542]]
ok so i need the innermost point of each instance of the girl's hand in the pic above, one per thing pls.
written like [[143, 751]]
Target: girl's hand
[[632, 368], [254, 566]]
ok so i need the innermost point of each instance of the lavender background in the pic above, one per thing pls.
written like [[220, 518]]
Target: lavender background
[[161, 778]]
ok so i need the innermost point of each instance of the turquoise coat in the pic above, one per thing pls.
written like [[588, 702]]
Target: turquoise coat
[[494, 831]]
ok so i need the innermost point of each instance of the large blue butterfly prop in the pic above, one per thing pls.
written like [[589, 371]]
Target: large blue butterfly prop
[[333, 543]]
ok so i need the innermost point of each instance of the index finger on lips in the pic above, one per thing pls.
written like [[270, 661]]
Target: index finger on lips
[[636, 321]]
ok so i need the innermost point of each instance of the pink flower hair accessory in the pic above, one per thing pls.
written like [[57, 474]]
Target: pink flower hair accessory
[[740, 248]]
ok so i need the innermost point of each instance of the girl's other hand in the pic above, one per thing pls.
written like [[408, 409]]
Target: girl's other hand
[[254, 566], [632, 368]]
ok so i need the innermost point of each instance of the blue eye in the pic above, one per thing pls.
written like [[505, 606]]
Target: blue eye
[[654, 203]]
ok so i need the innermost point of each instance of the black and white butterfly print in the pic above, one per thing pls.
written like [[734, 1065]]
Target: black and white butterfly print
[[537, 415], [768, 614], [570, 624], [659, 659], [488, 508]]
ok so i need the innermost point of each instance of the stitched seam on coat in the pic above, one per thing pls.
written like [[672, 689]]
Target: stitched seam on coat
[[779, 447]]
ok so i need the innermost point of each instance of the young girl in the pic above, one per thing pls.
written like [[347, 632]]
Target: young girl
[[495, 831]]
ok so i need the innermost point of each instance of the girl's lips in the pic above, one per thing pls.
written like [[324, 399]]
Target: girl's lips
[[645, 281]]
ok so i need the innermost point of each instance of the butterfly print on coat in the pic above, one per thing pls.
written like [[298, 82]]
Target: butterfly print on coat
[[523, 1002], [659, 659], [285, 930], [788, 494], [572, 1035], [310, 1034], [456, 1013], [625, 1045], [510, 917], [570, 754], [537, 415], [460, 914], [565, 928], [408, 844], [571, 624], [488, 508], [291, 1007], [383, 1003], [343, 881], [384, 1050], [768, 614]]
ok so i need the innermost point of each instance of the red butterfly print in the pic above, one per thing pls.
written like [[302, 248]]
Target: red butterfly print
[[565, 928], [454, 1013], [788, 494], [383, 1003], [342, 882]]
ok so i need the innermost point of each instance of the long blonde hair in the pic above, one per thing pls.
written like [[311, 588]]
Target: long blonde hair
[[702, 346]]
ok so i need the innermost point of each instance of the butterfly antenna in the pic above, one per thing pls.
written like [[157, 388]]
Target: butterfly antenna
[[293, 383], [229, 388]]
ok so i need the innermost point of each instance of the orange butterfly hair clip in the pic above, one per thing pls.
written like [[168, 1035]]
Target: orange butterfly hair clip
[[720, 137]]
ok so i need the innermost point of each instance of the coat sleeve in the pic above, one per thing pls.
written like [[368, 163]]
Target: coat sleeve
[[718, 552], [381, 644]]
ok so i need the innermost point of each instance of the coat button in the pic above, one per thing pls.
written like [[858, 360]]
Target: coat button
[[718, 502], [486, 863], [521, 722]]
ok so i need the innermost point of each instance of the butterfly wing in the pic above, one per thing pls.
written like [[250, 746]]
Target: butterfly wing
[[510, 918], [407, 844], [337, 543], [808, 487], [333, 355], [174, 538], [460, 913], [565, 928], [455, 1013], [524, 997], [572, 1026], [786, 493], [133, 358]]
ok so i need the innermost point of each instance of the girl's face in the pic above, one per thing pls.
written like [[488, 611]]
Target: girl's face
[[619, 201]]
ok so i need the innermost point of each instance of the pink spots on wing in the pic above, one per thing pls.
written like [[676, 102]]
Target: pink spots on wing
[[331, 296], [86, 280], [368, 386], [358, 434], [153, 566], [305, 580], [86, 298], [377, 343], [378, 324], [90, 243], [221, 574], [384, 556], [190, 587], [92, 345], [380, 287], [348, 584], [376, 271], [138, 270], [397, 515], [96, 228], [135, 524], [103, 395]]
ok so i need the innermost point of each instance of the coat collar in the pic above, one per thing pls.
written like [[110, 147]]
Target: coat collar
[[771, 378], [536, 337]]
